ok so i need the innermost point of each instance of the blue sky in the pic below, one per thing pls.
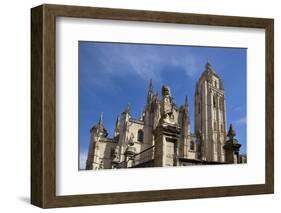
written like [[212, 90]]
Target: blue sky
[[114, 74]]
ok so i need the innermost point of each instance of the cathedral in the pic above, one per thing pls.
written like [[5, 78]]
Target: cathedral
[[162, 136]]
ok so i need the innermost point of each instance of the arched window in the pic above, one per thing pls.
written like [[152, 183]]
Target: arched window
[[192, 145], [214, 101], [140, 135]]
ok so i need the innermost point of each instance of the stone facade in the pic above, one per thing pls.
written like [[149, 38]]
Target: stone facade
[[162, 137]]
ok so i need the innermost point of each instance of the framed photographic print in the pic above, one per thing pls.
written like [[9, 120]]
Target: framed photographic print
[[136, 106]]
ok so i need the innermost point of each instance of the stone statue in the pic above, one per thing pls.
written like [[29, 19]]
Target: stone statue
[[167, 105]]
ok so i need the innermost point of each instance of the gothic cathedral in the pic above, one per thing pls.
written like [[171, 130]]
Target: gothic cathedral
[[162, 137]]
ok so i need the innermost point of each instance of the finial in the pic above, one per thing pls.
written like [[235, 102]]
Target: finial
[[150, 84], [150, 92], [100, 121], [186, 101], [231, 133], [208, 65], [100, 125]]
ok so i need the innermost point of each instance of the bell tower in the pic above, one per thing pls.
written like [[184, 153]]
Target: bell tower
[[210, 115]]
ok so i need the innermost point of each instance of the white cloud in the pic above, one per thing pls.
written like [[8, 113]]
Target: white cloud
[[146, 61], [239, 108], [242, 120]]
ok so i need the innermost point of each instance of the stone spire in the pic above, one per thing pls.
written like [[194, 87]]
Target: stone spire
[[186, 102], [150, 92], [232, 147], [208, 67], [99, 129], [231, 132], [100, 124], [117, 126], [117, 121], [150, 85], [126, 114], [186, 109], [184, 114], [100, 120]]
